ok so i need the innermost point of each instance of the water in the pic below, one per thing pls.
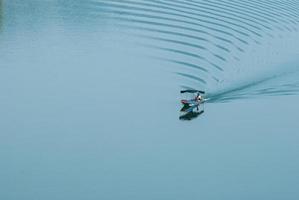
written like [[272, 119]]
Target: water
[[90, 99]]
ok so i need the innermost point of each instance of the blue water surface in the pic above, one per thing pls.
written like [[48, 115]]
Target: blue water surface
[[90, 99]]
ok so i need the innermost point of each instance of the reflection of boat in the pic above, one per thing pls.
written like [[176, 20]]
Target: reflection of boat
[[191, 115]]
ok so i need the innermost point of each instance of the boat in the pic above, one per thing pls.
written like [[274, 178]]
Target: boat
[[194, 101], [190, 109]]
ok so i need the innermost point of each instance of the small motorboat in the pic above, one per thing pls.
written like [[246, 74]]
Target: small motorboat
[[193, 102]]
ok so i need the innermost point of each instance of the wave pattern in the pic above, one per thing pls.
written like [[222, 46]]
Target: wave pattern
[[206, 39]]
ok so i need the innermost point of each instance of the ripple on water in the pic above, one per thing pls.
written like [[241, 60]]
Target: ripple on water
[[207, 36]]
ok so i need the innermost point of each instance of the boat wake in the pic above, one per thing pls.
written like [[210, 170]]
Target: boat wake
[[275, 85]]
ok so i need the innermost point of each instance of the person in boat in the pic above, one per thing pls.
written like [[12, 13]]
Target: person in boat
[[198, 97]]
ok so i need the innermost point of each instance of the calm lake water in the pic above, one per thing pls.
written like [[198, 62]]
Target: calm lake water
[[90, 99]]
